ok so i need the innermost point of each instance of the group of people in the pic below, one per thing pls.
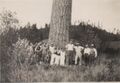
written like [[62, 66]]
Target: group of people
[[71, 54], [57, 56]]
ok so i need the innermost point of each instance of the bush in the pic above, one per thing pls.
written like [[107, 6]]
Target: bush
[[6, 40], [21, 59]]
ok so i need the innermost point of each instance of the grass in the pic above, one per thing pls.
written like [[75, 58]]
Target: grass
[[104, 70]]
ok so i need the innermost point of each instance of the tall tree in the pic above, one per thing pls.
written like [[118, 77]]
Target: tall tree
[[60, 22]]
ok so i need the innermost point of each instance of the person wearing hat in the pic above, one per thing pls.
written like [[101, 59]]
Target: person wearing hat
[[78, 50]]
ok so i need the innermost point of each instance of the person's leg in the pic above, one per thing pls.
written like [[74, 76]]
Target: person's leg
[[76, 59], [39, 57], [71, 60], [80, 60], [83, 59], [42, 58], [60, 60], [86, 59], [56, 59], [92, 59], [46, 58], [52, 59], [89, 60], [63, 61], [67, 58], [49, 58]]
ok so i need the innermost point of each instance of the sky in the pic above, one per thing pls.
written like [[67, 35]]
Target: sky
[[103, 12]]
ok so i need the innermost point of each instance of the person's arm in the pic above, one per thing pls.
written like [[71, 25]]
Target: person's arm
[[95, 53]]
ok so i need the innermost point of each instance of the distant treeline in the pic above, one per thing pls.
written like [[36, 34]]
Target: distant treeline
[[83, 33]]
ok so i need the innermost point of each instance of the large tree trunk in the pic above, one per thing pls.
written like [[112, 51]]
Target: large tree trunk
[[60, 23]]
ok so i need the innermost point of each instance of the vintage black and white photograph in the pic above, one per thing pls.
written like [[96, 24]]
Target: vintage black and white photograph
[[59, 41]]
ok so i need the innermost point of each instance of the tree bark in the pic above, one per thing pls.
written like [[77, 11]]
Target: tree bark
[[60, 23]]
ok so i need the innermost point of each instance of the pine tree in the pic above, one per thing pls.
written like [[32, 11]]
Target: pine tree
[[60, 23]]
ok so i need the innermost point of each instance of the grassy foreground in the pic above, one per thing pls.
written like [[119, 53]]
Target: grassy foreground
[[105, 69]]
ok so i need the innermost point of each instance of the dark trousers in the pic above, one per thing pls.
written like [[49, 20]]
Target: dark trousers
[[88, 59], [69, 58]]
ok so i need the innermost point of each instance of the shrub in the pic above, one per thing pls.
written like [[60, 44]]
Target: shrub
[[21, 59], [6, 40]]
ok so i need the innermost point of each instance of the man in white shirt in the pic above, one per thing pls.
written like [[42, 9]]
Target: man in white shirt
[[87, 50], [69, 56], [78, 50]]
